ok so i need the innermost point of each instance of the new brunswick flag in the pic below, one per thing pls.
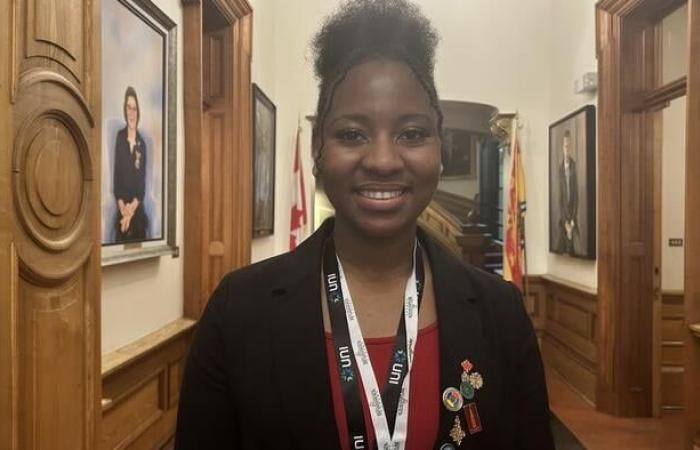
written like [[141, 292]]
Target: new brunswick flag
[[514, 247]]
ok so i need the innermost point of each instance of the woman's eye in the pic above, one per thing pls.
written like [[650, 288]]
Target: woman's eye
[[413, 135], [351, 136]]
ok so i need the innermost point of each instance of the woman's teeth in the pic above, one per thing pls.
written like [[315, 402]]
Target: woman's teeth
[[380, 195]]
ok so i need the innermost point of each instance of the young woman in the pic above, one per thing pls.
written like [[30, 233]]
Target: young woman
[[130, 174], [369, 335]]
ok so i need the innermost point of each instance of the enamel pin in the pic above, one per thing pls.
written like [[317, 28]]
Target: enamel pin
[[457, 433], [472, 416], [452, 399]]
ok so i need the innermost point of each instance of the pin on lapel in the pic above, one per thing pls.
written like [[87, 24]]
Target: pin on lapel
[[471, 414], [457, 433]]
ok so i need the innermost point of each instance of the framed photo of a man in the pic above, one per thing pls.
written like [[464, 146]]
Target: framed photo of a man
[[264, 126], [138, 131], [572, 185]]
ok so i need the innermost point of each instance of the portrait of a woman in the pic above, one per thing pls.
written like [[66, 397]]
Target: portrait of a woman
[[369, 334], [130, 154]]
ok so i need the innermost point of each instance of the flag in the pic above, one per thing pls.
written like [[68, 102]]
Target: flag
[[298, 215], [513, 254]]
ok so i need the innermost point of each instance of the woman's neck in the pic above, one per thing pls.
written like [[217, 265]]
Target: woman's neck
[[374, 259], [131, 134]]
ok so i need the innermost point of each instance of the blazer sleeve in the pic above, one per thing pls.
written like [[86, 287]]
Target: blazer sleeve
[[533, 429], [206, 416]]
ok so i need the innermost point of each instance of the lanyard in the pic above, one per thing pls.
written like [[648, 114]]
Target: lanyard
[[388, 409]]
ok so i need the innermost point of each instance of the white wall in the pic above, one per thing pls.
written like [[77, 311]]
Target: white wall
[[572, 47], [673, 195], [675, 64], [139, 298]]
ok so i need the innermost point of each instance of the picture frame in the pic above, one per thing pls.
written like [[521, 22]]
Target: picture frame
[[264, 130], [139, 134], [459, 154], [572, 184]]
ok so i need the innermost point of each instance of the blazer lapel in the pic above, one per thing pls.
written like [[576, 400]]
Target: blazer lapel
[[301, 367], [461, 338]]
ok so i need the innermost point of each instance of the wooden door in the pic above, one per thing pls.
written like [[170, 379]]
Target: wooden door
[[49, 224], [217, 154], [218, 174]]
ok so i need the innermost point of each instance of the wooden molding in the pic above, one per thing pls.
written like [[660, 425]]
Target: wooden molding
[[581, 289], [132, 353], [661, 97]]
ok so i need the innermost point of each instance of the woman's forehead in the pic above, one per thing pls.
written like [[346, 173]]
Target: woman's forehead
[[380, 88]]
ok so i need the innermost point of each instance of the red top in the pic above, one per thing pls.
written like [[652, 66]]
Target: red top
[[424, 400]]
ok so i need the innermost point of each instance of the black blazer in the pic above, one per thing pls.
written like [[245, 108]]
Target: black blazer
[[257, 374]]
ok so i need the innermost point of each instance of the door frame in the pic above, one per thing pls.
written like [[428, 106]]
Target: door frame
[[205, 260], [630, 98]]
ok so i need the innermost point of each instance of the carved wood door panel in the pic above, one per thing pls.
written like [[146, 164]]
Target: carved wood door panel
[[49, 224]]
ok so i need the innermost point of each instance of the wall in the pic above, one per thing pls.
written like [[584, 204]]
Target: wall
[[675, 64], [141, 297], [572, 46]]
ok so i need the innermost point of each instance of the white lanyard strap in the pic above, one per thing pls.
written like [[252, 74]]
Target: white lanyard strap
[[385, 441]]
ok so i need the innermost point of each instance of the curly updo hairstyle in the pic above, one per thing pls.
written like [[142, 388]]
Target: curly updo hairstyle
[[362, 30]]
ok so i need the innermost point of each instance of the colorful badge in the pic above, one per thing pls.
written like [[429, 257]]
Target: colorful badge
[[452, 399], [476, 380], [467, 365], [466, 390], [471, 414]]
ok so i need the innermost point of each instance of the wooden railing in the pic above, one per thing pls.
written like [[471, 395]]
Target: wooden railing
[[467, 241]]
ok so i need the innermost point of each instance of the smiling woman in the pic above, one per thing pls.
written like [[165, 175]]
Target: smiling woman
[[369, 333]]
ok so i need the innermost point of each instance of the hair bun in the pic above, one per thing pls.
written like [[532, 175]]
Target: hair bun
[[389, 28]]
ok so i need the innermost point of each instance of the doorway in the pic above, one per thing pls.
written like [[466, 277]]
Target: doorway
[[218, 154], [638, 94]]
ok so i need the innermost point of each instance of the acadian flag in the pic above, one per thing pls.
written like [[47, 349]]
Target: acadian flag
[[298, 214], [514, 248]]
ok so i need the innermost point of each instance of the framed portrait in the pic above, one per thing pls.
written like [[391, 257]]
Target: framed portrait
[[572, 184], [264, 126], [139, 70], [459, 148]]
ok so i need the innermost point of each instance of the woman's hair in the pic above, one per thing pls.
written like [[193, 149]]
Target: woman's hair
[[131, 92], [373, 29]]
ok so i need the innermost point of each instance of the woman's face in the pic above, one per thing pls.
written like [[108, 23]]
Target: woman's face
[[380, 160], [132, 112]]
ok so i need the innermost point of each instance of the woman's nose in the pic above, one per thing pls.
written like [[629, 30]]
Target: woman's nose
[[383, 156]]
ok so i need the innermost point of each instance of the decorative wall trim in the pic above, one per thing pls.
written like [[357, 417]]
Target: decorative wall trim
[[140, 388]]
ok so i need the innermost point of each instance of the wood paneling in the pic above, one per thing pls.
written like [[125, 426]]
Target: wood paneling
[[535, 303], [672, 351], [692, 230], [141, 384], [218, 154], [49, 224], [569, 342]]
